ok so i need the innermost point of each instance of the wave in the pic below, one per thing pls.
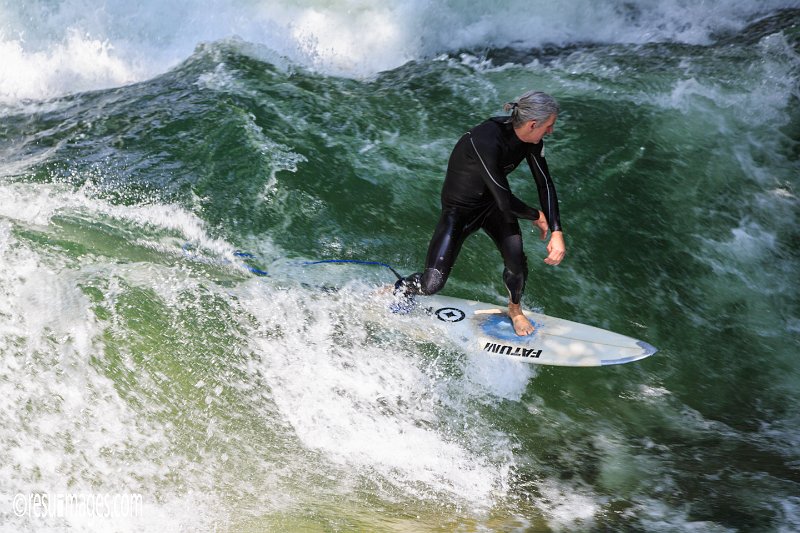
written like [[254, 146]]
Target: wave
[[50, 50]]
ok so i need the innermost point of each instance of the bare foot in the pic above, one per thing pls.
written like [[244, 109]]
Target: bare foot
[[522, 326]]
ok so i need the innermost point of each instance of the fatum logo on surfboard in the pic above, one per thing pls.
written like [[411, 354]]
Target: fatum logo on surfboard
[[507, 350]]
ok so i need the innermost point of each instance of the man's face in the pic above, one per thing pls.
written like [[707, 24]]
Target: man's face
[[533, 131]]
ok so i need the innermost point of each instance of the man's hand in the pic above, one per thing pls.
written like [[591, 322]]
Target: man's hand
[[541, 224], [555, 249]]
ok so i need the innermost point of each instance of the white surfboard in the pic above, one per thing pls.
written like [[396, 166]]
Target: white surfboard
[[487, 328]]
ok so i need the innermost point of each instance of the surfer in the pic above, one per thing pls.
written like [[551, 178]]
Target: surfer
[[476, 195]]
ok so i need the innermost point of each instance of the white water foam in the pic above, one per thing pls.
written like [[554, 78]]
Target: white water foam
[[64, 425], [369, 406], [36, 205], [69, 426], [49, 50], [567, 506], [755, 103], [658, 516]]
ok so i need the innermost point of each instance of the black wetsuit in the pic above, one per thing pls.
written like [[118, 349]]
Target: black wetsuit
[[476, 195]]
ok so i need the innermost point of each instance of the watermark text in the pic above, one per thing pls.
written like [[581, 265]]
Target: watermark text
[[77, 504]]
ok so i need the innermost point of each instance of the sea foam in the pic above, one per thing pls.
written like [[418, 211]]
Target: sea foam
[[51, 50]]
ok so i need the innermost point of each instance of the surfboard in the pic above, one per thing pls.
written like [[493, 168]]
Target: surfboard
[[486, 328]]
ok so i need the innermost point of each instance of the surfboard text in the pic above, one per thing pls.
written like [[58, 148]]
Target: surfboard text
[[511, 350]]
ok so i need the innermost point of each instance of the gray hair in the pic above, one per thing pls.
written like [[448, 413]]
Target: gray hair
[[533, 105]]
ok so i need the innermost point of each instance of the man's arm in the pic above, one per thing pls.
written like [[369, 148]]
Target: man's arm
[[523, 210], [546, 189], [556, 249]]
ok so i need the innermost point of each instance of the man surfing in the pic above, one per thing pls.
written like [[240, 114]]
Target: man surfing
[[476, 195]]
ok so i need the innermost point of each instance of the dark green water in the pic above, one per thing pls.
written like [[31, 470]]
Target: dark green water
[[140, 356]]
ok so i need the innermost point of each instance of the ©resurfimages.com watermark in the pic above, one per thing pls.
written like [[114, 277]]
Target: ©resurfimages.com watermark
[[76, 505]]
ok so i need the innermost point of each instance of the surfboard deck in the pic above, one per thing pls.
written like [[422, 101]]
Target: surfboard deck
[[486, 328]]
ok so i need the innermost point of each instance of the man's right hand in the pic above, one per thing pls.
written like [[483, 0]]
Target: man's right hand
[[541, 224]]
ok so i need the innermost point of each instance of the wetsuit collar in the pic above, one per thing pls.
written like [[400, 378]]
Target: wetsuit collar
[[508, 131]]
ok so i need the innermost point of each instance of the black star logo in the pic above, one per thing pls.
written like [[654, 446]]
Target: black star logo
[[450, 314]]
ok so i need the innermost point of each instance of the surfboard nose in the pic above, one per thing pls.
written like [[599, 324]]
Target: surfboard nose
[[649, 349]]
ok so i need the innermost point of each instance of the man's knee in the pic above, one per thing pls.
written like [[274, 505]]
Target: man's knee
[[429, 282], [432, 281]]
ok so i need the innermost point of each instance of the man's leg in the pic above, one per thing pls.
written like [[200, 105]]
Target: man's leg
[[508, 239], [443, 250]]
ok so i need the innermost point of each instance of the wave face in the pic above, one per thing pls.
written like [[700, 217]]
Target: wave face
[[142, 146], [50, 49]]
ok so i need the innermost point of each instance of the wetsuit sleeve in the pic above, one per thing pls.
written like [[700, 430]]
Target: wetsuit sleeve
[[511, 207], [547, 190], [523, 210]]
